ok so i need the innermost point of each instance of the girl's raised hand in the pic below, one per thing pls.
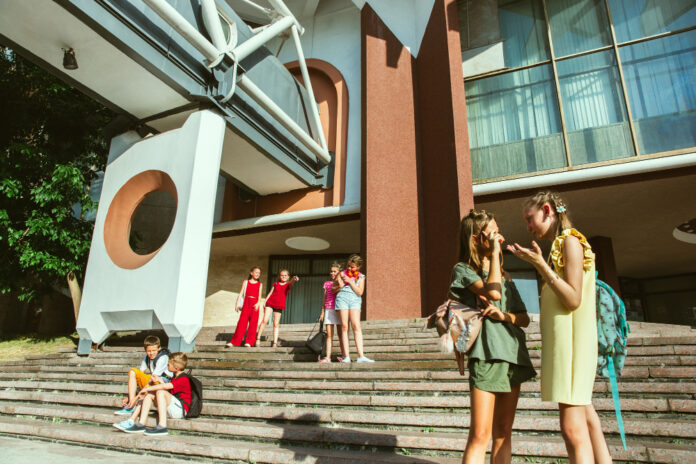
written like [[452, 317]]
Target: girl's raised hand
[[493, 312], [295, 278], [531, 255]]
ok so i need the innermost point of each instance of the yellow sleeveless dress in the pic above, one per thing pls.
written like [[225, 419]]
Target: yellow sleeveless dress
[[569, 338]]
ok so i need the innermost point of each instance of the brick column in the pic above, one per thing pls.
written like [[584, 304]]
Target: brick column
[[416, 175], [391, 237], [444, 158]]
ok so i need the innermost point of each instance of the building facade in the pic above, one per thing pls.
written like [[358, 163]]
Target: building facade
[[428, 108]]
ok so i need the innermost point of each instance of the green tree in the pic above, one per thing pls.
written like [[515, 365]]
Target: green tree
[[51, 147]]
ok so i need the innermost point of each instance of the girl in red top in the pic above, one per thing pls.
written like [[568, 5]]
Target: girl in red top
[[249, 297], [275, 303]]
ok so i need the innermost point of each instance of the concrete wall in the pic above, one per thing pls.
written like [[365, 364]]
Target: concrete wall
[[225, 277], [333, 35]]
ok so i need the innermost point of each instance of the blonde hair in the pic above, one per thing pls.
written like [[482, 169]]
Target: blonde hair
[[472, 225], [281, 271], [558, 204], [179, 359], [355, 259]]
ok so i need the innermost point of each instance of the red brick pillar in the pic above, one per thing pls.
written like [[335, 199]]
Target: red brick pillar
[[445, 167], [391, 237], [416, 175]]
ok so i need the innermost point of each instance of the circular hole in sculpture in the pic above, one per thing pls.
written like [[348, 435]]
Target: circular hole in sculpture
[[152, 222], [140, 218]]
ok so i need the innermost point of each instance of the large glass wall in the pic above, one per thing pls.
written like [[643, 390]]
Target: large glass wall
[[586, 81]]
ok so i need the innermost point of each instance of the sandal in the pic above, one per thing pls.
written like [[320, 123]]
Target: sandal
[[325, 360]]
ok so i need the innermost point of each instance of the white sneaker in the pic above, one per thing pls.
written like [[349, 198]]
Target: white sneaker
[[345, 360], [229, 345], [364, 359]]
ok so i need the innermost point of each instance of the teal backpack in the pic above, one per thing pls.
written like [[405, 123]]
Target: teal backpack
[[612, 335]]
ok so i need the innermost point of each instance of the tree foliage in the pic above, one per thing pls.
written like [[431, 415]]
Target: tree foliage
[[51, 148]]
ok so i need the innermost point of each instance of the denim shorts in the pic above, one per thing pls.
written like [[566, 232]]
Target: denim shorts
[[347, 299]]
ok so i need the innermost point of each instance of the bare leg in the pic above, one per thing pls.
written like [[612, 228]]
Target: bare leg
[[599, 444], [480, 428], [357, 330], [132, 387], [503, 418], [136, 412], [276, 326], [145, 409], [164, 398], [575, 433], [264, 322], [345, 347], [329, 339]]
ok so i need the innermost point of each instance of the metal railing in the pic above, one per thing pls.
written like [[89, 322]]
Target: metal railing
[[282, 19]]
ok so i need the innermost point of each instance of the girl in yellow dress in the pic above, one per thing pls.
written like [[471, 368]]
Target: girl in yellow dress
[[568, 324]]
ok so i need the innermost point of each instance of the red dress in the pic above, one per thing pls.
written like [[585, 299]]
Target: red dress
[[249, 316], [279, 295]]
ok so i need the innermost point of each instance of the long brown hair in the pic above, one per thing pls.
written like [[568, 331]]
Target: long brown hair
[[472, 225], [558, 204]]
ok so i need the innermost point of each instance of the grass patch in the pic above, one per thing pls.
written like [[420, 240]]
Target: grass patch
[[16, 347]]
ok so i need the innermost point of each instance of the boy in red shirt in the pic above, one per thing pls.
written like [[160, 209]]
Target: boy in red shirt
[[172, 399], [275, 303]]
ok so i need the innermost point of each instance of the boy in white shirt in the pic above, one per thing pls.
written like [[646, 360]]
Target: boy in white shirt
[[153, 370]]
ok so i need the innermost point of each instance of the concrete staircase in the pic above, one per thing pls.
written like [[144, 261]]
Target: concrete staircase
[[411, 406]]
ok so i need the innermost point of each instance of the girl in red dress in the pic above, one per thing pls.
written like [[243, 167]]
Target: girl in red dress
[[275, 304], [249, 319]]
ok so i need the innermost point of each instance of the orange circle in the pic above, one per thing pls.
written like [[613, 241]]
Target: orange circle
[[118, 219]]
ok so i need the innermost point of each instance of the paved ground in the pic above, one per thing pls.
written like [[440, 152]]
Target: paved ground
[[20, 451]]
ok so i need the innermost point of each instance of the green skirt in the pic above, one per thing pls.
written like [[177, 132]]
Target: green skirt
[[497, 376]]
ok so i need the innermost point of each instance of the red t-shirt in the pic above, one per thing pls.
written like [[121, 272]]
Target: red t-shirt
[[279, 295], [182, 390]]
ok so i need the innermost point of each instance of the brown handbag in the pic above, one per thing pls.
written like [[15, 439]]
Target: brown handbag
[[458, 326]]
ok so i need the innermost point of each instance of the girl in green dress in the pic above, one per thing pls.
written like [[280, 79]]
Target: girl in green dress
[[568, 324], [498, 360]]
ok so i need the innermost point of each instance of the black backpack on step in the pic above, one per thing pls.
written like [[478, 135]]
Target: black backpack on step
[[196, 396]]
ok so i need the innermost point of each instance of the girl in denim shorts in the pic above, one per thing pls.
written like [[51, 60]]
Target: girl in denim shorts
[[351, 284]]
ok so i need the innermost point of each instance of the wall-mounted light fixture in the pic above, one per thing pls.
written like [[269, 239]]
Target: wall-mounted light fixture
[[69, 60]]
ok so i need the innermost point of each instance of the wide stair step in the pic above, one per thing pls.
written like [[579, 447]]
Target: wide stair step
[[279, 405]]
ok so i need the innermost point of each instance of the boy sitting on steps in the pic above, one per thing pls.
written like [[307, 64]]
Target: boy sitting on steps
[[172, 399], [155, 362]]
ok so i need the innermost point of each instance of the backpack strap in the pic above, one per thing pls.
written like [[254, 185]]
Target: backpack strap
[[615, 396]]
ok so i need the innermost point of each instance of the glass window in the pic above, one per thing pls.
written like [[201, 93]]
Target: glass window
[[578, 25], [523, 29], [514, 123], [660, 78], [594, 109], [634, 19]]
